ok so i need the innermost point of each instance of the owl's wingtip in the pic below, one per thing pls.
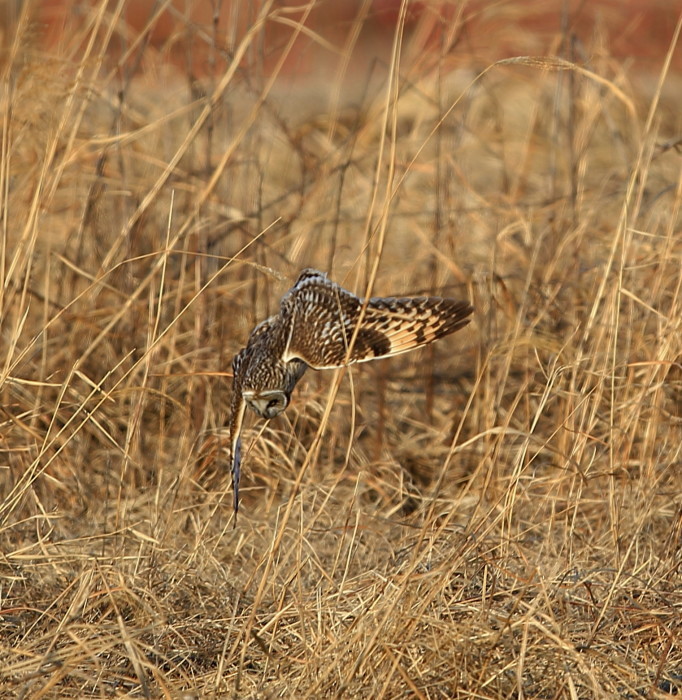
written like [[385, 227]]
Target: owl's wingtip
[[236, 418]]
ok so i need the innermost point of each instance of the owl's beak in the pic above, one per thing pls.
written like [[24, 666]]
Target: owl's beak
[[266, 404]]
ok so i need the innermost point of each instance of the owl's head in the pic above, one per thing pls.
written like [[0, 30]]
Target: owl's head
[[267, 386]]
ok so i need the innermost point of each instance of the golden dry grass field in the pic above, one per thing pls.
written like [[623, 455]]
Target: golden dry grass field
[[498, 515]]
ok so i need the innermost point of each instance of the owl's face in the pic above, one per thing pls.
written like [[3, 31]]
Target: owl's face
[[268, 403]]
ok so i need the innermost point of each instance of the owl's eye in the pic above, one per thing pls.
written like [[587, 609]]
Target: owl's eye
[[275, 403]]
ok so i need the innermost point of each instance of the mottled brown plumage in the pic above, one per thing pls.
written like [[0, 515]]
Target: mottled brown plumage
[[323, 326]]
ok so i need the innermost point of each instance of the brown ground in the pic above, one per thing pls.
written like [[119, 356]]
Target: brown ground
[[498, 515]]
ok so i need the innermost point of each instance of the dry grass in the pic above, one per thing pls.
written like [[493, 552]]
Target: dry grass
[[496, 516]]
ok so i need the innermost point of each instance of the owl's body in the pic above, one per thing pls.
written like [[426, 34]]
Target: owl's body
[[323, 326]]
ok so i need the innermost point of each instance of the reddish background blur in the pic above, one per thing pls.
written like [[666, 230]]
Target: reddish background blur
[[480, 30]]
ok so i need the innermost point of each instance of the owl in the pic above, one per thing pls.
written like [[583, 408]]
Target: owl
[[323, 326]]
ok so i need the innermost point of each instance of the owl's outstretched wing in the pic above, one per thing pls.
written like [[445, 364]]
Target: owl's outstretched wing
[[322, 318]]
